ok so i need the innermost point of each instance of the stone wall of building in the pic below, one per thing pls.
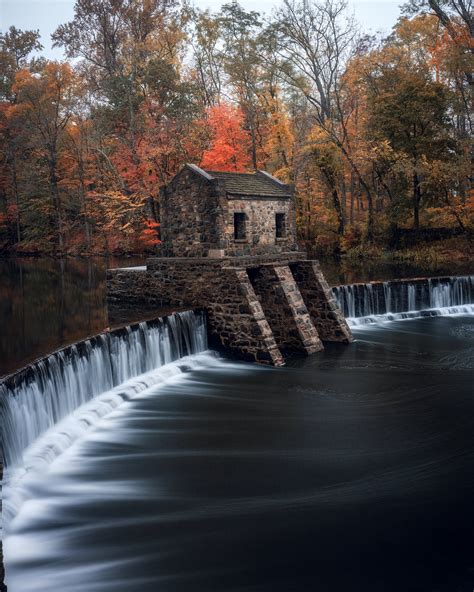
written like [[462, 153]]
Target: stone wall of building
[[191, 216], [236, 319], [255, 309], [260, 217], [197, 217]]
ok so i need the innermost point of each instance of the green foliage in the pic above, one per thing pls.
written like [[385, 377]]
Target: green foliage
[[15, 48]]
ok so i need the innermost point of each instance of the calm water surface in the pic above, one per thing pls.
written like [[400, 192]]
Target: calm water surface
[[351, 470], [46, 303]]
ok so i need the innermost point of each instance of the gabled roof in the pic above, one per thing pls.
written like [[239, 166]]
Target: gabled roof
[[258, 184]]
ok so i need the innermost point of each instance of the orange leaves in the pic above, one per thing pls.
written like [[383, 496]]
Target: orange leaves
[[50, 85], [149, 234], [229, 149]]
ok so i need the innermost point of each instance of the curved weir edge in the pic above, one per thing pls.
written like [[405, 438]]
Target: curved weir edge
[[41, 394]]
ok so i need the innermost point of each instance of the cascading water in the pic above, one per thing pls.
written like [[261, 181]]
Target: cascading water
[[51, 404], [37, 398], [364, 304]]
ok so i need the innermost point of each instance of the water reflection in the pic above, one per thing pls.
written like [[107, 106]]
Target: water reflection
[[45, 303], [338, 272]]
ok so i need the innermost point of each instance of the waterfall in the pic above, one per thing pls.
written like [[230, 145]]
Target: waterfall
[[38, 397], [373, 302]]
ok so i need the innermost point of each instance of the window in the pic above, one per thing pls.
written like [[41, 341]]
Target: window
[[280, 225], [239, 226]]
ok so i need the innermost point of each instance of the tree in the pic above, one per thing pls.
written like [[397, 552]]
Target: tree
[[229, 144], [15, 48], [411, 112], [45, 103], [315, 41], [205, 38], [279, 139], [242, 65]]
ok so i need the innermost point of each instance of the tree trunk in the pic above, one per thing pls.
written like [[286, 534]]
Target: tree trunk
[[84, 206], [17, 200], [362, 183], [344, 195], [336, 201], [56, 198], [254, 146], [416, 201], [352, 198]]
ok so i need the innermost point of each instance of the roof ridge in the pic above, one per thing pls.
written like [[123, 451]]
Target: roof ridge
[[230, 173]]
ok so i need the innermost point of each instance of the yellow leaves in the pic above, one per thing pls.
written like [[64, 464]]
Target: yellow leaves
[[279, 141], [285, 174], [22, 78], [54, 77], [423, 30], [323, 149], [319, 143]]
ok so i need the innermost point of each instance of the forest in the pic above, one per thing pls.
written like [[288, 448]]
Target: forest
[[373, 132]]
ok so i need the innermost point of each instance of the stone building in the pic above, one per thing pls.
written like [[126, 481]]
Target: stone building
[[229, 246], [217, 214]]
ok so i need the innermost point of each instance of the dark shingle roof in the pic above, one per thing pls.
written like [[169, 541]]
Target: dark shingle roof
[[254, 184]]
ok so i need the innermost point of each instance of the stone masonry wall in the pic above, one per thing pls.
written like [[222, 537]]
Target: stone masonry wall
[[237, 320], [197, 216], [253, 308], [260, 226], [285, 310], [319, 299], [191, 216], [236, 317]]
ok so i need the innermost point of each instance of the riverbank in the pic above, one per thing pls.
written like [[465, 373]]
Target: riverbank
[[365, 263], [426, 255]]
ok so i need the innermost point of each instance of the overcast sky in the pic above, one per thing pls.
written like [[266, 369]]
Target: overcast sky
[[46, 15]]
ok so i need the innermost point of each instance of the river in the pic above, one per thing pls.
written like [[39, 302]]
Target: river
[[350, 470]]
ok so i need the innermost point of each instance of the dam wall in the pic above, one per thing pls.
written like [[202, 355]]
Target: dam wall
[[258, 307]]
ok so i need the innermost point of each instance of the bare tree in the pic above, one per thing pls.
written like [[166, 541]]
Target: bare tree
[[314, 40], [205, 38]]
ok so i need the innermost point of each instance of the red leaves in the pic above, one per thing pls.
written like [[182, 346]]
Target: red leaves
[[229, 150]]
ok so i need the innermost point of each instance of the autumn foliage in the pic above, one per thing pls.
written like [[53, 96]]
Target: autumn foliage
[[375, 135], [229, 142]]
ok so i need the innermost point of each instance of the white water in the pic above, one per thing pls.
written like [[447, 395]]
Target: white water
[[22, 480], [411, 314], [54, 387], [365, 304], [65, 395]]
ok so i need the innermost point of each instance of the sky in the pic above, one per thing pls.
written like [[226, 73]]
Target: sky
[[46, 15]]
